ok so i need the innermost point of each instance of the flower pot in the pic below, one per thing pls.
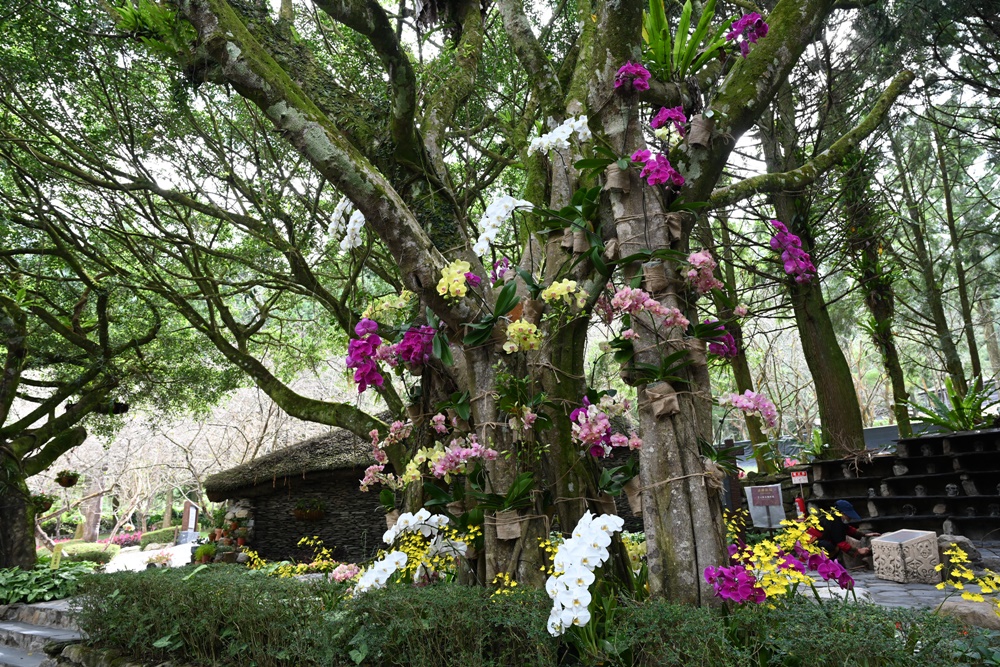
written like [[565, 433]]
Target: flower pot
[[508, 525], [240, 541], [66, 482], [633, 491], [299, 514], [233, 525], [219, 533], [391, 518], [313, 515]]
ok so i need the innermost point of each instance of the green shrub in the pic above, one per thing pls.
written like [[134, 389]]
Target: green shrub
[[42, 582], [449, 625], [223, 615], [162, 536], [94, 552], [226, 616]]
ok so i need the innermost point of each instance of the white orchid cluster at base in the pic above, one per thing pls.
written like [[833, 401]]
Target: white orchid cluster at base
[[378, 574], [428, 526], [575, 562], [421, 521]]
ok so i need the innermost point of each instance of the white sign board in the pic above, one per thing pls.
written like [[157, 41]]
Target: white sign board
[[800, 477]]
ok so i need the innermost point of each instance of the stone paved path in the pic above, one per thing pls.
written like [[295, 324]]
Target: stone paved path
[[133, 559], [870, 588]]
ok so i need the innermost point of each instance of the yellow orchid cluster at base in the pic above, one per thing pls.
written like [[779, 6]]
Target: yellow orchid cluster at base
[[961, 574]]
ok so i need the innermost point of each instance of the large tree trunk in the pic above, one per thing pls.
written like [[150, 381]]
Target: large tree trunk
[[836, 397], [956, 254], [17, 529], [988, 321], [91, 511], [869, 244], [168, 508], [932, 288]]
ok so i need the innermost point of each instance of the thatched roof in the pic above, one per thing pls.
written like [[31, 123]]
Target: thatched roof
[[337, 450]]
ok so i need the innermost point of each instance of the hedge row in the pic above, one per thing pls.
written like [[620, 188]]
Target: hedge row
[[224, 615], [76, 551], [162, 536]]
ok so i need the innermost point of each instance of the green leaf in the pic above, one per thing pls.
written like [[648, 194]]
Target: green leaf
[[592, 163], [707, 14], [507, 299], [680, 39]]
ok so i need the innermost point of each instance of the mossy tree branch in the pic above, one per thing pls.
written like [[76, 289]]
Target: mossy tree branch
[[812, 170], [531, 55], [369, 19], [456, 87], [256, 76]]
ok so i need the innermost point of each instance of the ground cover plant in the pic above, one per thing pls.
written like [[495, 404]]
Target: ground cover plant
[[225, 615], [42, 583]]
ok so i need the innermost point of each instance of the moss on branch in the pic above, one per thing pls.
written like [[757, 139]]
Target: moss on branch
[[809, 172]]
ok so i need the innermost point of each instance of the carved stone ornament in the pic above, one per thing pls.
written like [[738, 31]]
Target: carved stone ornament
[[951, 490], [884, 490], [907, 556], [926, 450], [871, 492], [899, 470], [994, 509], [920, 490], [909, 510], [663, 399]]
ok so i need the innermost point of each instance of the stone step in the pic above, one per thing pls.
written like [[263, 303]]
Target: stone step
[[15, 657], [30, 637], [54, 614]]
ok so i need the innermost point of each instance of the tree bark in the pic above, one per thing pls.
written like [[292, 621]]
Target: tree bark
[[956, 253], [988, 321], [17, 529], [932, 288]]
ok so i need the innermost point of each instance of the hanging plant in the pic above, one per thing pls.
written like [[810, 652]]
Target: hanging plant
[[309, 509], [43, 502], [67, 478]]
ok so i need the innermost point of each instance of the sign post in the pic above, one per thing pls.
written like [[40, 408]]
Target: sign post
[[766, 509], [800, 477]]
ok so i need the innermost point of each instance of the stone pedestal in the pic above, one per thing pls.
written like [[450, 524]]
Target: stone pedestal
[[907, 556]]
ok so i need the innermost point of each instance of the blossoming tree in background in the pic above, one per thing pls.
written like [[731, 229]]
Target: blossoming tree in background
[[616, 143]]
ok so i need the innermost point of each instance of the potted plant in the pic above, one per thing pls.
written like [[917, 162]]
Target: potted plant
[[241, 534], [67, 478], [309, 509], [226, 553], [205, 553], [159, 559], [43, 501]]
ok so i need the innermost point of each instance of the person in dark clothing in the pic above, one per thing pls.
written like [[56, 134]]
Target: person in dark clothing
[[833, 532]]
